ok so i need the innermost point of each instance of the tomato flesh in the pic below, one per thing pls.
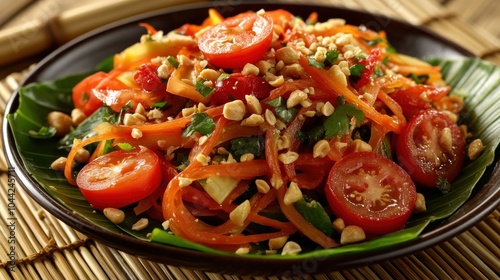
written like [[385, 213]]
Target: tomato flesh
[[424, 150], [419, 97], [83, 97], [120, 178], [147, 78], [370, 191], [237, 40], [237, 85]]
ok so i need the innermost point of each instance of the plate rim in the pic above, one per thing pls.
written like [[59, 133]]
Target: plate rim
[[425, 240]]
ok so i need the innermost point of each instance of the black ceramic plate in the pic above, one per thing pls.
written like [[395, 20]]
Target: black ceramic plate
[[84, 53]]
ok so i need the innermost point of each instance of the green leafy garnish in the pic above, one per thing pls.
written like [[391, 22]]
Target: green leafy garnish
[[331, 57], [43, 133], [357, 69], [373, 42], [125, 146], [338, 123], [247, 145], [201, 123], [284, 113], [203, 89], [420, 79], [160, 105], [173, 62], [443, 185], [315, 63], [315, 214]]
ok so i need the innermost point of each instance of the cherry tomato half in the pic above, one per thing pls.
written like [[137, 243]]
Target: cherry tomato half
[[370, 191], [83, 98], [120, 178], [419, 97], [237, 40], [237, 85], [430, 147]]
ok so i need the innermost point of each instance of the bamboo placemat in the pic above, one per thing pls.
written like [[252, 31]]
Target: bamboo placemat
[[46, 248]]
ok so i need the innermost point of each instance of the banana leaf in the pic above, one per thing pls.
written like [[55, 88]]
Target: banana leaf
[[476, 80]]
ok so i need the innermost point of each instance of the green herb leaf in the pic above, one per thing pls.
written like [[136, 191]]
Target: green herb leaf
[[284, 113], [43, 133], [356, 69], [315, 214], [247, 145], [275, 102], [173, 62], [338, 123], [373, 42], [160, 105], [125, 146], [331, 57], [203, 89], [315, 63], [201, 123]]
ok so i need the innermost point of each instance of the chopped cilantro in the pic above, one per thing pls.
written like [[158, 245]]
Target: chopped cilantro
[[201, 123], [284, 113], [203, 89], [125, 146], [356, 69], [338, 122], [43, 133], [391, 49], [373, 42], [223, 76], [331, 57], [385, 60], [173, 62], [315, 63], [247, 145], [160, 105], [420, 79]]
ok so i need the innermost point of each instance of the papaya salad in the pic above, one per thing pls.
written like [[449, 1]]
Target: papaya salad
[[264, 129]]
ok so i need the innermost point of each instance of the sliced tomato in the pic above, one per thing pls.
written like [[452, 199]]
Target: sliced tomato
[[430, 147], [370, 191], [237, 40], [147, 78], [83, 98], [120, 178], [237, 85], [419, 97]]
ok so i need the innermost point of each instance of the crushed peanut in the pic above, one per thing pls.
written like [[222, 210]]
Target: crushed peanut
[[116, 216], [141, 224], [234, 110], [277, 243], [291, 248], [288, 157], [352, 234], [420, 206], [240, 213], [77, 116], [253, 104], [82, 155], [136, 133], [338, 225], [60, 121], [59, 164], [321, 149], [475, 149], [262, 186], [293, 194], [253, 120]]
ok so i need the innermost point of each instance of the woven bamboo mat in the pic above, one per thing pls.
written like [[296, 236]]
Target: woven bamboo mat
[[46, 248]]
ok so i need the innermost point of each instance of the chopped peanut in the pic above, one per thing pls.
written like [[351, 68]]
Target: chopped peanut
[[61, 122], [234, 110], [262, 186], [352, 234], [338, 225], [293, 194], [141, 224], [288, 157], [321, 149], [291, 248], [476, 147], [277, 243], [59, 164], [77, 116], [420, 204], [253, 120], [82, 155], [116, 216], [253, 104], [240, 213]]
